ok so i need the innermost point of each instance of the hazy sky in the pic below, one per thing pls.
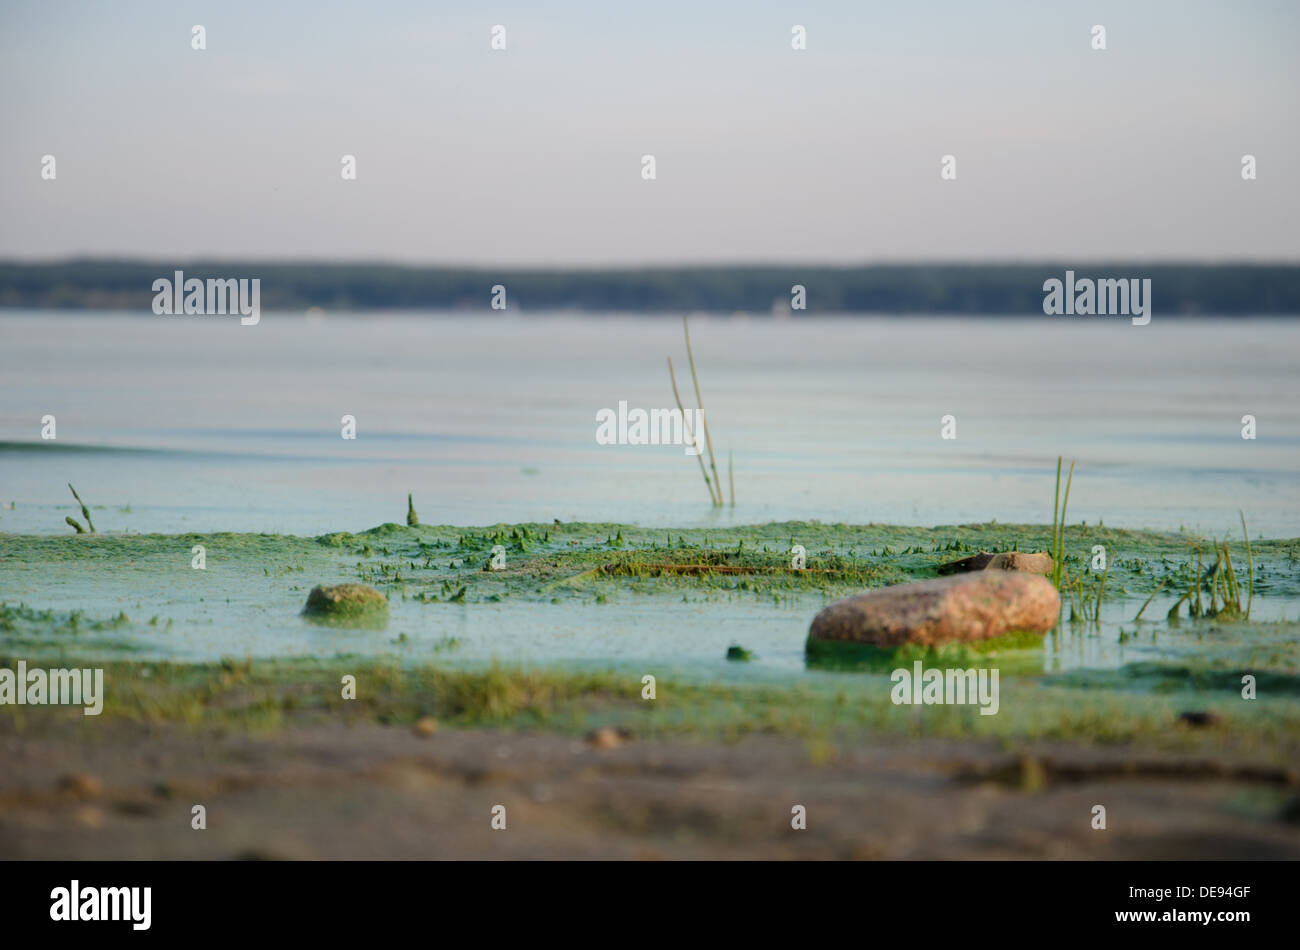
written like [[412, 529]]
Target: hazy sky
[[532, 155]]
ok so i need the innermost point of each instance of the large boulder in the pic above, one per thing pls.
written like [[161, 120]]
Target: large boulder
[[964, 608]]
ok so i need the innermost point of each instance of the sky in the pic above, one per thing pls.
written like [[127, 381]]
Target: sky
[[532, 155]]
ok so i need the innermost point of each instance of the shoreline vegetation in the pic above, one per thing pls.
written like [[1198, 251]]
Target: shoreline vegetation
[[1145, 707], [544, 561], [559, 566], [283, 758], [757, 558], [999, 289]]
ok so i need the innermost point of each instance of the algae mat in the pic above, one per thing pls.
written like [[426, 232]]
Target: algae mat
[[604, 595]]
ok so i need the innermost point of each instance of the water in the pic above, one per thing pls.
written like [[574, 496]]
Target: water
[[200, 424]]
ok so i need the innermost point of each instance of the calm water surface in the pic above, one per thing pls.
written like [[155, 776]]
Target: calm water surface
[[200, 424]]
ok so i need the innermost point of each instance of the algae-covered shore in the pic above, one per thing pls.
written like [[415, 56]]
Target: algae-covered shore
[[217, 692]]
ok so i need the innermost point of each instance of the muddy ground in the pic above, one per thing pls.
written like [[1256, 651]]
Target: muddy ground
[[374, 791]]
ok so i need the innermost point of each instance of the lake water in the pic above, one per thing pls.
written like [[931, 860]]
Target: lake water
[[200, 424]]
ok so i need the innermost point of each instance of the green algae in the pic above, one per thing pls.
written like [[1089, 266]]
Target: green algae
[[663, 589], [1183, 678], [14, 618], [839, 556], [57, 632], [260, 695], [1012, 653], [579, 556]]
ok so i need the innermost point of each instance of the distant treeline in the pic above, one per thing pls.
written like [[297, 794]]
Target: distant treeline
[[1230, 289]]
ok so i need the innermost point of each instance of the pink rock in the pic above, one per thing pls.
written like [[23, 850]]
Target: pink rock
[[964, 608]]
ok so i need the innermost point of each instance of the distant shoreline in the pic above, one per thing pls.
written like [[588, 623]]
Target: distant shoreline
[[1003, 290]]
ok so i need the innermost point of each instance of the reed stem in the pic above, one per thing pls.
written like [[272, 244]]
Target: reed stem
[[704, 416], [686, 427], [1250, 565], [85, 512]]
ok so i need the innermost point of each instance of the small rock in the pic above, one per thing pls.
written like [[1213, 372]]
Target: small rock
[[607, 737], [1038, 562], [81, 784], [354, 602], [965, 608], [426, 726], [89, 816]]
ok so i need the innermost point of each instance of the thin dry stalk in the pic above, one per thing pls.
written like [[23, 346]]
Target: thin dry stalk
[[704, 416], [731, 477], [686, 425], [1250, 565]]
